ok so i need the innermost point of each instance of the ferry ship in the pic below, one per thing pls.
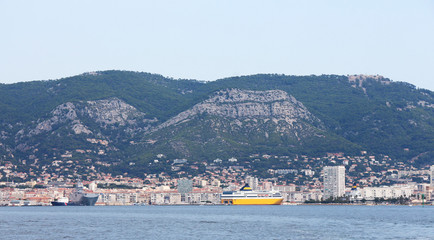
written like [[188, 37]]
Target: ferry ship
[[246, 196]]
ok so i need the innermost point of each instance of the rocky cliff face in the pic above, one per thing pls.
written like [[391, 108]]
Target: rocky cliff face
[[240, 105], [231, 115], [109, 112], [236, 119], [112, 114], [62, 114]]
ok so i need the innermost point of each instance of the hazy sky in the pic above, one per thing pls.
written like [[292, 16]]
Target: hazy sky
[[208, 40]]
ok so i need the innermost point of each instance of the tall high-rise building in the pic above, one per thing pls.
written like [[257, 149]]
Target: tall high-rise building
[[431, 174], [334, 181]]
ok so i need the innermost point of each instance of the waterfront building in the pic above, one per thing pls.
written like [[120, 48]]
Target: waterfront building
[[173, 197], [267, 186], [386, 192], [334, 181], [312, 194], [166, 198], [293, 197]]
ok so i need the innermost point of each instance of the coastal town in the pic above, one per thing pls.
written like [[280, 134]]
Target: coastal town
[[364, 179]]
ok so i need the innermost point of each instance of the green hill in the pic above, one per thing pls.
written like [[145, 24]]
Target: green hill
[[122, 120]]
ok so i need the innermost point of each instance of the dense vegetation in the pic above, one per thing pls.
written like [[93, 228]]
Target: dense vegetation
[[394, 119]]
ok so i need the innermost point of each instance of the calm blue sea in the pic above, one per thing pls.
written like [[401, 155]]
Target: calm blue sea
[[218, 222]]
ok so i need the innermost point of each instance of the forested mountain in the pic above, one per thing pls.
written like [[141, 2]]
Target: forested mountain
[[120, 121]]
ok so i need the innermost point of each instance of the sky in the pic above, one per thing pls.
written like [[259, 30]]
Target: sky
[[213, 39]]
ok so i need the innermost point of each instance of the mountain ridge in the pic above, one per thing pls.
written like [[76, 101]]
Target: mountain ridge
[[138, 116]]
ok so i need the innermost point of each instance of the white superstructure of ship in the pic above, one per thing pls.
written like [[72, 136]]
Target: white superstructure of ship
[[246, 196]]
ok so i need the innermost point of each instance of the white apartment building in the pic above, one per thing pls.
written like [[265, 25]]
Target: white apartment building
[[386, 192], [163, 198], [334, 181]]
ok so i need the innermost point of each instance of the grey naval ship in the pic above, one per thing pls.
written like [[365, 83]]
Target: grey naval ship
[[79, 197]]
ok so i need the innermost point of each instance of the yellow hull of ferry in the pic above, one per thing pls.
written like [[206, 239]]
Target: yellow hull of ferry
[[257, 201]]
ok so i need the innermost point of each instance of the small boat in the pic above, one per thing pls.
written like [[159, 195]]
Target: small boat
[[63, 201]]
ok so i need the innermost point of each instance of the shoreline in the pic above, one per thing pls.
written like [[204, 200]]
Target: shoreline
[[287, 204]]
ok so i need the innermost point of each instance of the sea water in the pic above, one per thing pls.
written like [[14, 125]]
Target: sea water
[[217, 222]]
